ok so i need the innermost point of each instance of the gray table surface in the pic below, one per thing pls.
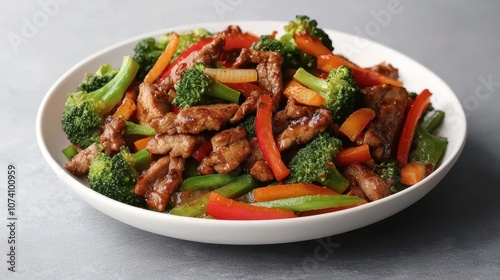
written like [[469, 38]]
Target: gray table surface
[[453, 232]]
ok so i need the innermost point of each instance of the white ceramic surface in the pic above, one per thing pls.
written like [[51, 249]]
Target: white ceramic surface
[[52, 140]]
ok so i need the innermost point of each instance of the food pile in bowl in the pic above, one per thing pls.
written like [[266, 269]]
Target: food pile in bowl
[[231, 125]]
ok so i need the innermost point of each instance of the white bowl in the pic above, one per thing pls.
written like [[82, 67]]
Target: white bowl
[[416, 77]]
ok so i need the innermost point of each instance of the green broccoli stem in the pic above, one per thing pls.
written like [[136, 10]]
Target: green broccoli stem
[[137, 129], [141, 160], [221, 91], [70, 152], [433, 121], [335, 181], [309, 80], [112, 93]]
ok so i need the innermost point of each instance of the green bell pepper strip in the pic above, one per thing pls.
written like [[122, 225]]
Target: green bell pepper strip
[[198, 207], [429, 148], [311, 202], [207, 182]]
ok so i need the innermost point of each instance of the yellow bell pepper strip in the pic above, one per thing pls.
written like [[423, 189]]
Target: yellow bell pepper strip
[[416, 110], [264, 132], [224, 208]]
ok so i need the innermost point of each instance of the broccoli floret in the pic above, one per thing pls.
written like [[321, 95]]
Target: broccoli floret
[[93, 82], [84, 112], [293, 57], [339, 90], [115, 176], [314, 163], [248, 123], [390, 171], [305, 24], [147, 51], [195, 86]]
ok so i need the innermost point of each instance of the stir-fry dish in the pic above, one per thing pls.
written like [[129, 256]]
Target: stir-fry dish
[[230, 125]]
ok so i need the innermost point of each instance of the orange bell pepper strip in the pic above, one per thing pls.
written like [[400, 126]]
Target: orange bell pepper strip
[[303, 94], [356, 122], [414, 172], [141, 143], [416, 110], [327, 61], [128, 106], [164, 59], [359, 154], [289, 190], [224, 208], [264, 132]]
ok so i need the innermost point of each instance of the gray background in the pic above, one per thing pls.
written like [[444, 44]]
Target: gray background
[[453, 232]]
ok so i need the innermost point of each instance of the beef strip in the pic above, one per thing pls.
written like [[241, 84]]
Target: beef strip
[[80, 164], [368, 181], [295, 110], [231, 30], [159, 195], [268, 70], [256, 164], [280, 122], [247, 107], [354, 189], [112, 136], [387, 70], [156, 171], [230, 149], [208, 55], [196, 119], [151, 103], [178, 145], [389, 103], [303, 130]]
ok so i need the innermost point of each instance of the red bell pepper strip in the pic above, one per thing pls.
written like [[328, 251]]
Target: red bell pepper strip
[[264, 132], [327, 61], [182, 57], [244, 88], [239, 41], [224, 208], [202, 151], [416, 110]]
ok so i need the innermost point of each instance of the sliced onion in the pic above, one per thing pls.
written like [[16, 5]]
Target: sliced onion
[[232, 75]]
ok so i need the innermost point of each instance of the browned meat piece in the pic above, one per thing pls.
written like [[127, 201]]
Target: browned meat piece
[[303, 130], [156, 171], [368, 181], [230, 149], [354, 189], [248, 106], [80, 164], [231, 30], [295, 110], [389, 103], [196, 119], [112, 136], [151, 103], [268, 70], [178, 145], [261, 171], [165, 124], [208, 55], [280, 122], [256, 164], [386, 69], [159, 196]]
